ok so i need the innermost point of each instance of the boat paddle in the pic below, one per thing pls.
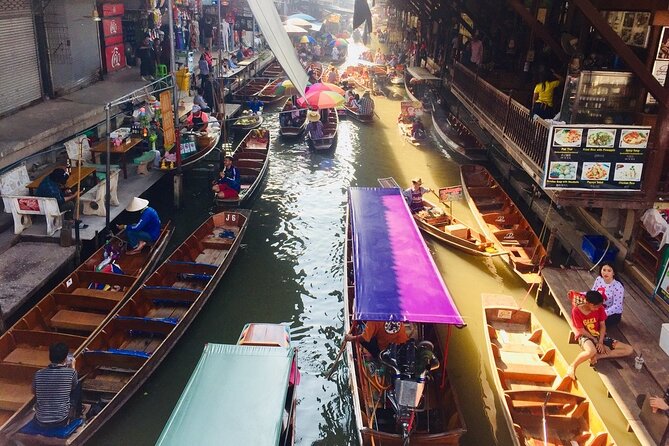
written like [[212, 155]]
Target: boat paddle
[[543, 415], [337, 359]]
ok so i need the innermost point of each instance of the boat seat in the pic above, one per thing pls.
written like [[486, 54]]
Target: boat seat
[[246, 186], [32, 428], [114, 295], [28, 356], [521, 348], [102, 386], [217, 243], [76, 320], [458, 230], [528, 372], [14, 396]]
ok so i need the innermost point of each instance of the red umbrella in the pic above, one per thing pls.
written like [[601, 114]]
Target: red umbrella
[[325, 86]]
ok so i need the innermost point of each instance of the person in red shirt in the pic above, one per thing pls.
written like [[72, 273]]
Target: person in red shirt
[[589, 322], [378, 335]]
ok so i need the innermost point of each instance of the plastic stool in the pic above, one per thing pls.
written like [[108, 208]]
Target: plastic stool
[[161, 70]]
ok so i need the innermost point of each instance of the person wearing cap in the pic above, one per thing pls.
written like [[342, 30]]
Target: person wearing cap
[[52, 187], [146, 230], [315, 126], [414, 195], [229, 182], [197, 120]]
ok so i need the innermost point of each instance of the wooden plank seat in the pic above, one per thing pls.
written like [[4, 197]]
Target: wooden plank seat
[[108, 294], [528, 372], [534, 398], [101, 385], [175, 266], [103, 359], [249, 163], [169, 293], [14, 395], [31, 356], [145, 325], [520, 348], [85, 302], [76, 320], [217, 242]]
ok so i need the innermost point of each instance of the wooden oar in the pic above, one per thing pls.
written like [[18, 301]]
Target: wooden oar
[[337, 359]]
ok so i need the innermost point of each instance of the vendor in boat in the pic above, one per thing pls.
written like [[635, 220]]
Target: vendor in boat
[[589, 321], [197, 120], [315, 126], [414, 195], [57, 390], [332, 75], [256, 105], [146, 230], [229, 183], [417, 129], [378, 335]]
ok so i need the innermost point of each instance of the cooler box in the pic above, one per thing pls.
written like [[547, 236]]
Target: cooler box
[[594, 246]]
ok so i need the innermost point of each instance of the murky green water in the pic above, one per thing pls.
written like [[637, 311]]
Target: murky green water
[[291, 271]]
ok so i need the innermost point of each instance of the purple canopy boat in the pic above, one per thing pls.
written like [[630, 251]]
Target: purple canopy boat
[[391, 276]]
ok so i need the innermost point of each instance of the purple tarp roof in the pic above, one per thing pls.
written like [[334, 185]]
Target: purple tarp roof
[[395, 276]]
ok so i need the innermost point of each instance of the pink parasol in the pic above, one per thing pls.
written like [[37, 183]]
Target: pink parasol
[[321, 99], [325, 86]]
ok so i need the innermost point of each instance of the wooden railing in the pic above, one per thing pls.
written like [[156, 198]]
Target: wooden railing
[[510, 119]]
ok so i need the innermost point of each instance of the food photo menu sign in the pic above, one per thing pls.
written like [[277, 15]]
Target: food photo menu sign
[[587, 157]]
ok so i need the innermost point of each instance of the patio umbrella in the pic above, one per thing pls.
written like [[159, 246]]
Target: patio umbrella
[[294, 29], [307, 39], [306, 17], [341, 42], [298, 22], [321, 99], [287, 88], [344, 35], [325, 86]]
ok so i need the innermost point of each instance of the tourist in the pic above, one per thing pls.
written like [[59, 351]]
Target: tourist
[[57, 390], [147, 59], [315, 126], [660, 404], [203, 65], [197, 120], [414, 195], [199, 101], [476, 48], [229, 183], [542, 100], [146, 230], [335, 53], [52, 187], [612, 291], [589, 322], [378, 336], [417, 129], [332, 75], [366, 104]]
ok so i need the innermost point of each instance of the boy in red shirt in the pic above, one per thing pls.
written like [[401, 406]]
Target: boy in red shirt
[[589, 321]]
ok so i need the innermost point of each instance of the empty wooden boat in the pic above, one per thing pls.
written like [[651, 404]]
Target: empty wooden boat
[[249, 89], [274, 69], [456, 136], [446, 228], [121, 356], [380, 235], [260, 371], [329, 139], [251, 157], [268, 95], [289, 127], [531, 379], [70, 313], [503, 223]]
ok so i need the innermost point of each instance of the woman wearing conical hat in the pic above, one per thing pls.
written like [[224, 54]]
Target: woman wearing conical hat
[[146, 230]]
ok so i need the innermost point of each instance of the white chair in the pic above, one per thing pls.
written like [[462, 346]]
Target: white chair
[[23, 208], [14, 182], [93, 201]]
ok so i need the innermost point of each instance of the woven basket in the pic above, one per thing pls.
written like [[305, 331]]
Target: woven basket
[[203, 141]]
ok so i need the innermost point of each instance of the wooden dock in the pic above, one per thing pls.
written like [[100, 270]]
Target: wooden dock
[[640, 327]]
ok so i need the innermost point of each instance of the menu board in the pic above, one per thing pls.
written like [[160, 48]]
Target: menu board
[[587, 157], [168, 119]]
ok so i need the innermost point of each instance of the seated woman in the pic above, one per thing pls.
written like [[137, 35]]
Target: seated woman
[[146, 230], [612, 291], [285, 118], [229, 183], [315, 126]]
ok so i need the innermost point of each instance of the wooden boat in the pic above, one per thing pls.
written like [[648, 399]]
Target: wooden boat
[[446, 228], [249, 89], [205, 143], [503, 223], [377, 291], [292, 130], [130, 345], [70, 313], [274, 69], [326, 73], [358, 117], [247, 121], [251, 157], [260, 371], [456, 136], [267, 94], [416, 81], [329, 139], [530, 375]]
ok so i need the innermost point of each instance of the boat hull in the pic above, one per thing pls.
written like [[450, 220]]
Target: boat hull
[[473, 152], [329, 141], [358, 117]]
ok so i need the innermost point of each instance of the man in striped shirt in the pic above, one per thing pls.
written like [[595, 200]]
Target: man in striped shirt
[[366, 105], [57, 390]]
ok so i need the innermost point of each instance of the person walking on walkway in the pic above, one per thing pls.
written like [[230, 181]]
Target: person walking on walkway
[[147, 59], [542, 101]]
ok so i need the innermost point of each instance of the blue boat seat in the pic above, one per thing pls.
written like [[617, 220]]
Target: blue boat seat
[[122, 352], [33, 428]]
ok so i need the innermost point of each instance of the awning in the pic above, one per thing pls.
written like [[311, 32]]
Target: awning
[[276, 37], [422, 74], [236, 395], [395, 275]]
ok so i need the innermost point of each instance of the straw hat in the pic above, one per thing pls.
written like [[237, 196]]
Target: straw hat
[[313, 116], [137, 204], [417, 180]]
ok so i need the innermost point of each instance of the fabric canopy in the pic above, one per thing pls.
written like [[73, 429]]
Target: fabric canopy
[[270, 24], [236, 395], [395, 276], [422, 74]]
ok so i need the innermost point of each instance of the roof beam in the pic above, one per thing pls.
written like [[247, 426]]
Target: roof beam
[[538, 28]]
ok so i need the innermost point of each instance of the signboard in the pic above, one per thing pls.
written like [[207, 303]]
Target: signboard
[[661, 62], [633, 27], [114, 57], [112, 27], [596, 157], [168, 119], [450, 193], [662, 287], [112, 9]]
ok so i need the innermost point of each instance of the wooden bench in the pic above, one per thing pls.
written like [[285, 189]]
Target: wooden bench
[[76, 320], [93, 201]]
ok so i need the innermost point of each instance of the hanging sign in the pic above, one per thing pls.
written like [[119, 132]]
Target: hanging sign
[[450, 193], [115, 57], [596, 157], [112, 9], [167, 115], [112, 27]]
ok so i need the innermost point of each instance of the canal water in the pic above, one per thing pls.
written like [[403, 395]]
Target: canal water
[[290, 270]]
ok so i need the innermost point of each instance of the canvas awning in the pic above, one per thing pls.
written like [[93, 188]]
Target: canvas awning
[[395, 276], [236, 395], [422, 74]]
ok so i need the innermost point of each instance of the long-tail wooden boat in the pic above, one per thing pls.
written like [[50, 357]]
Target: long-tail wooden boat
[[251, 157], [205, 141], [267, 95], [329, 139], [246, 122], [456, 136], [121, 356], [416, 81], [380, 235], [446, 228], [291, 130], [530, 376], [503, 223], [274, 69], [70, 313], [358, 117], [249, 89], [260, 371]]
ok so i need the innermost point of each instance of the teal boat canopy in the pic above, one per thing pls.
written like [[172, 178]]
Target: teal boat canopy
[[235, 396]]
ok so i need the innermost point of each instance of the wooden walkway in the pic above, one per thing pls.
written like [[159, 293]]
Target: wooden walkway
[[640, 327]]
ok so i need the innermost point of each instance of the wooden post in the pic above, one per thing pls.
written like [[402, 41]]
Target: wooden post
[[551, 242]]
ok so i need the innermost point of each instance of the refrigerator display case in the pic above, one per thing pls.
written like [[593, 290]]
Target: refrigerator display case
[[599, 97]]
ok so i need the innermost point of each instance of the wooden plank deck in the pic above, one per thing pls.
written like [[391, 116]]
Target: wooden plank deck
[[640, 327]]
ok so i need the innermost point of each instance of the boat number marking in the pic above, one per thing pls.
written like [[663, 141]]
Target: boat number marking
[[504, 314], [500, 219], [231, 217], [509, 236]]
